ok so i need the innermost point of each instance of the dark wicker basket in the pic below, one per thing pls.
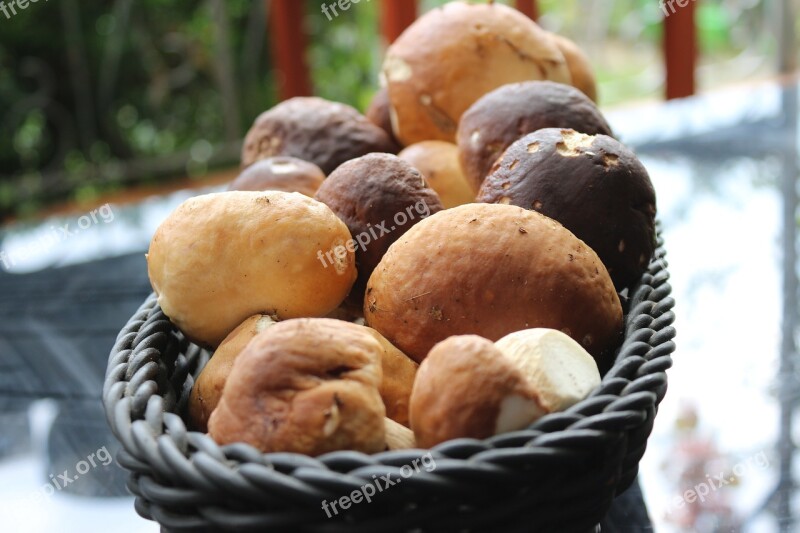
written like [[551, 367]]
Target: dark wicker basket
[[560, 475]]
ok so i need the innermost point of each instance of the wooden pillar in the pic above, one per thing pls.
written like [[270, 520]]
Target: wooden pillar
[[680, 46], [528, 7], [396, 16], [288, 44]]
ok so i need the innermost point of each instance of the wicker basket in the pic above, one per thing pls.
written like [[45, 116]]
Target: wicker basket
[[559, 475]]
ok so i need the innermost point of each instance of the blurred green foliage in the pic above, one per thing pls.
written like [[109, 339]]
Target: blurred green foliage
[[85, 89]]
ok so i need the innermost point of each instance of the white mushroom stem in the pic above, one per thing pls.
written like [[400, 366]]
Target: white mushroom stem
[[558, 369]]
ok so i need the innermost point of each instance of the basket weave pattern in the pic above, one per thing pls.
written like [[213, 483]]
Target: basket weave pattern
[[561, 474]]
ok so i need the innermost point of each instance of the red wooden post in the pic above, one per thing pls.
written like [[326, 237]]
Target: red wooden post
[[528, 7], [288, 44], [396, 16], [680, 46]]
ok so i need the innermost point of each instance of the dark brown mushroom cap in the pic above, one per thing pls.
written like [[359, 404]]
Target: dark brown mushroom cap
[[504, 115], [594, 185], [315, 130], [379, 197]]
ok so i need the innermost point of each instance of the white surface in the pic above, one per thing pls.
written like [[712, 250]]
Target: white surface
[[62, 513]]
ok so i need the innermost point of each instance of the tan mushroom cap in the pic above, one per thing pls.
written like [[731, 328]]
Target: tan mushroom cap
[[399, 372], [439, 163], [580, 68], [208, 387], [454, 54], [221, 258], [307, 386], [489, 270]]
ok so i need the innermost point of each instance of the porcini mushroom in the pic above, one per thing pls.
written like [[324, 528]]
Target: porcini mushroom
[[287, 174], [504, 115], [489, 270], [208, 387], [313, 129], [594, 185], [221, 258], [438, 162], [306, 386]]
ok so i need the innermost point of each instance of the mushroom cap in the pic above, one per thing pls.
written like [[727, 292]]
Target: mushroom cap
[[221, 258], [207, 388], [399, 372], [287, 174], [438, 162], [594, 185], [379, 113], [580, 68], [379, 197], [306, 386], [504, 115], [467, 388], [313, 129], [490, 269], [453, 55]]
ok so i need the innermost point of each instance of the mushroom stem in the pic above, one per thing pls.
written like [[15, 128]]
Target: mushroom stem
[[398, 437]]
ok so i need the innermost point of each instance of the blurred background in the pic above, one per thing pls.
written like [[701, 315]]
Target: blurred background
[[96, 97], [137, 105]]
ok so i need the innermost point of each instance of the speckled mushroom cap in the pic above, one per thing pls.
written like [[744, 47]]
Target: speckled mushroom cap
[[593, 185], [453, 55], [287, 174], [379, 197], [504, 115], [490, 269], [315, 130]]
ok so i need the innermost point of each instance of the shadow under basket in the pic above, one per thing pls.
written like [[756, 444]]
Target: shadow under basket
[[559, 475]]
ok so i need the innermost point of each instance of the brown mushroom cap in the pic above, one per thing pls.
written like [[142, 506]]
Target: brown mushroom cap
[[306, 386], [490, 269], [504, 115], [467, 388], [580, 68], [315, 130], [438, 162], [379, 197], [594, 186], [221, 258], [379, 113], [208, 387], [287, 174], [453, 55]]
